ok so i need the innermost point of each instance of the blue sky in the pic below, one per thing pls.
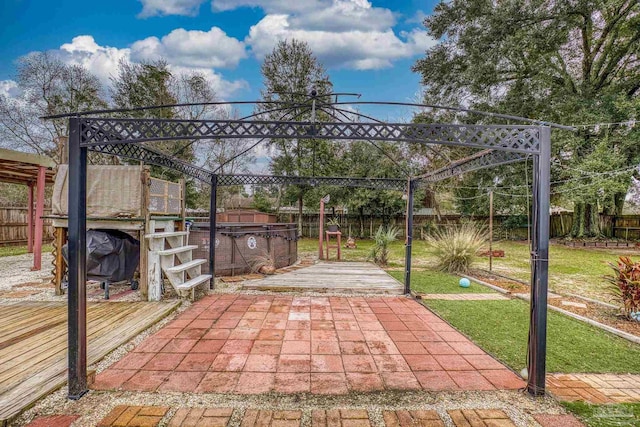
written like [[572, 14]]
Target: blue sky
[[367, 46]]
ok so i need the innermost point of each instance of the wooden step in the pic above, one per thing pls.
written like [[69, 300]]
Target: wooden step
[[177, 250], [186, 266], [165, 234], [194, 282]]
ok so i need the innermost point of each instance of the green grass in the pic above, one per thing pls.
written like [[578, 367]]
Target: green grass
[[571, 270], [436, 282], [619, 414], [20, 250], [501, 327]]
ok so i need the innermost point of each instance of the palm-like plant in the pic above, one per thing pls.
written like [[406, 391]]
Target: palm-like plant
[[380, 250]]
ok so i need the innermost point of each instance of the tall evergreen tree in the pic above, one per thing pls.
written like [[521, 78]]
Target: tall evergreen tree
[[566, 61], [290, 73]]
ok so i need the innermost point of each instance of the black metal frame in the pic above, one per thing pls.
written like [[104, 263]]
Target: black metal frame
[[125, 137]]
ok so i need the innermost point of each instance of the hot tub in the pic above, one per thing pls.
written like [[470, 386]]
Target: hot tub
[[239, 244]]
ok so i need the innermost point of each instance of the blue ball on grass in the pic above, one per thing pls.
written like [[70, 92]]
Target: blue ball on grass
[[464, 282]]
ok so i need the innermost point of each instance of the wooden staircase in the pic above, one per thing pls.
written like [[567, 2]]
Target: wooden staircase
[[171, 257]]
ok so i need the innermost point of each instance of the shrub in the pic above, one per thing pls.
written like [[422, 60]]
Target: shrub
[[625, 284], [456, 247], [380, 250]]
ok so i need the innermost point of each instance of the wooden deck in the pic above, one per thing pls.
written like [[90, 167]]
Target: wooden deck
[[339, 277], [33, 344]]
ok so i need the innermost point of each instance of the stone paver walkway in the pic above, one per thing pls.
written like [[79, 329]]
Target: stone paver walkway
[[595, 388], [134, 416], [53, 421], [464, 297], [249, 344], [221, 417]]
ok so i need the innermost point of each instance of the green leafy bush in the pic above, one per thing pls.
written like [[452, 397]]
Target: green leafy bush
[[456, 247], [625, 285], [380, 250]]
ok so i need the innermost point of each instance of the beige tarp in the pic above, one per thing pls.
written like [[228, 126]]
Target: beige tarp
[[112, 191]]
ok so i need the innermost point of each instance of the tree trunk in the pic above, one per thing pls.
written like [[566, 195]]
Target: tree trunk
[[586, 220], [578, 220], [278, 200], [618, 199], [361, 222]]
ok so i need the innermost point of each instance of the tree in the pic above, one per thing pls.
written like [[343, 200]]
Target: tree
[[47, 86], [290, 73], [152, 84], [566, 61]]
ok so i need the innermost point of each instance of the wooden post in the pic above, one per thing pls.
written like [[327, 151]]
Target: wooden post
[[491, 230], [37, 244], [144, 244], [321, 230], [183, 204], [30, 218], [60, 240]]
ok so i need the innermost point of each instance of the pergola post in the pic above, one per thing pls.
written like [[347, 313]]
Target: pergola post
[[77, 306], [30, 218], [409, 238], [213, 208], [38, 233], [540, 267]]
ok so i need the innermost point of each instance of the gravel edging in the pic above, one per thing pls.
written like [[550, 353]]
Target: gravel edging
[[622, 334]]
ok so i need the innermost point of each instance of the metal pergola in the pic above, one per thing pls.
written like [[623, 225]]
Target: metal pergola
[[129, 138]]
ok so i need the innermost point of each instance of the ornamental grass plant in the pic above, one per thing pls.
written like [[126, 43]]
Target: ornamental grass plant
[[456, 247]]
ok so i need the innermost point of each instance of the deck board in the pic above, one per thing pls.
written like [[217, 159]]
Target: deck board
[[33, 344], [339, 277]]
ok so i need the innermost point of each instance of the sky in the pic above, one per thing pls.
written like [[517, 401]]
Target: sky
[[368, 47]]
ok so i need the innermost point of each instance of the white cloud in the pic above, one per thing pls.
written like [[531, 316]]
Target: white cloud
[[270, 6], [342, 33], [211, 49], [223, 88], [175, 48], [350, 49], [9, 88], [418, 18], [169, 7], [102, 61], [327, 15]]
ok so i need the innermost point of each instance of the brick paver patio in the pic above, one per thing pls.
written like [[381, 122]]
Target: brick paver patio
[[221, 417], [134, 416], [595, 388], [325, 345]]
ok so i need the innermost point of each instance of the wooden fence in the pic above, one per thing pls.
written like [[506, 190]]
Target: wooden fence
[[505, 227], [13, 226]]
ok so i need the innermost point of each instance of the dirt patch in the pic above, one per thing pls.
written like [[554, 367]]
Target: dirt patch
[[511, 286], [609, 316]]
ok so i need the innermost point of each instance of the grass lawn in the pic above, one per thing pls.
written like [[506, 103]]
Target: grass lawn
[[620, 414], [435, 282], [421, 254], [20, 250], [571, 270], [501, 328]]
